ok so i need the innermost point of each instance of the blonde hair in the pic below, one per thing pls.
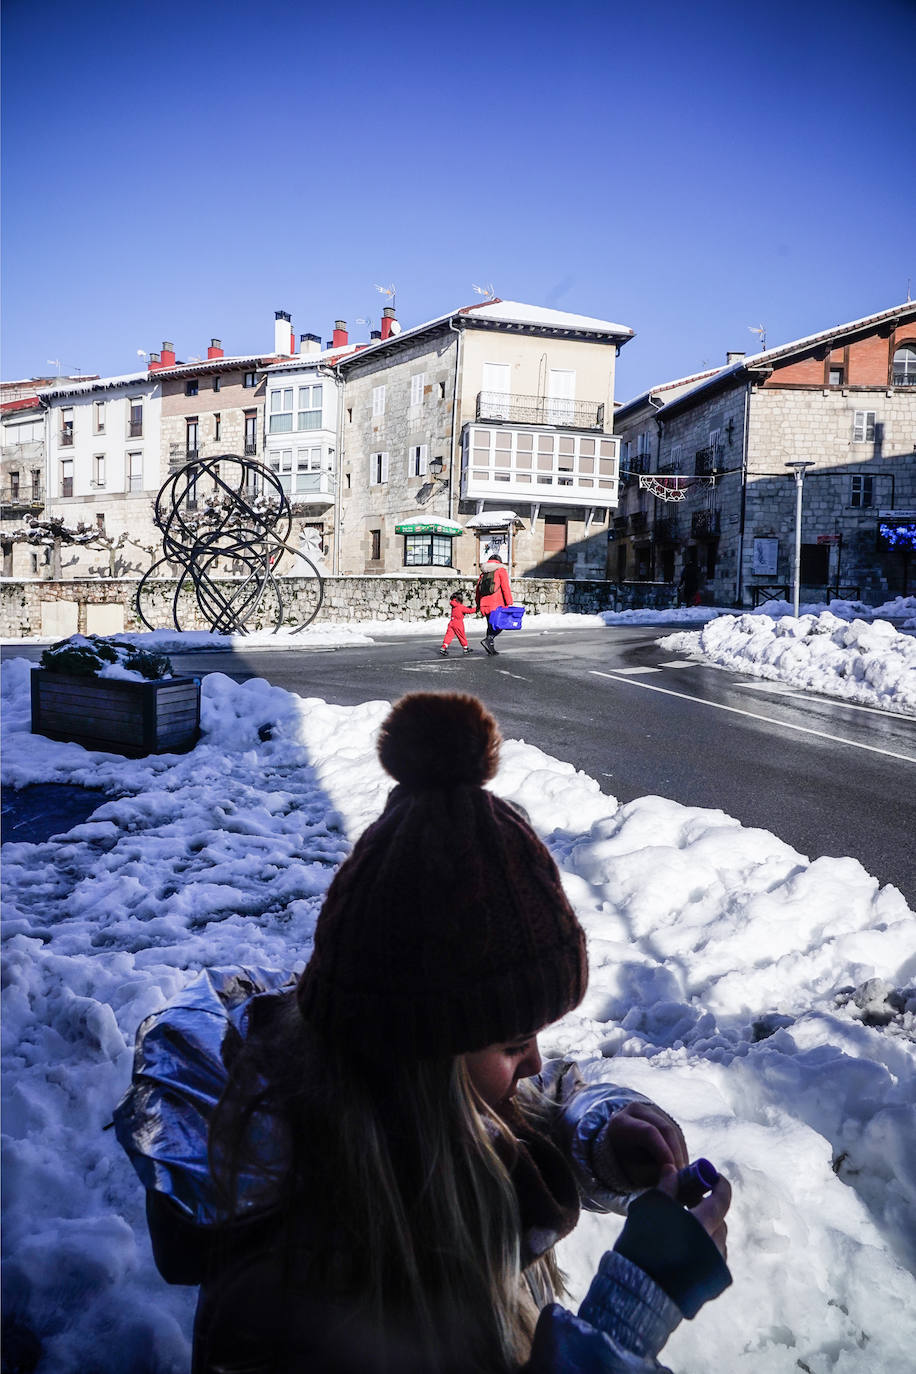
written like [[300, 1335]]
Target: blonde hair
[[397, 1175]]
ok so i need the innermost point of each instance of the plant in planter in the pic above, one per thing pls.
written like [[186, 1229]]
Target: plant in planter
[[115, 697]]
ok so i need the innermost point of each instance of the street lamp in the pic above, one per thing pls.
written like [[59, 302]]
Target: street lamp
[[799, 468]]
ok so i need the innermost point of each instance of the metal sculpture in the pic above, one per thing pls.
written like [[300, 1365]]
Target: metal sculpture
[[228, 516]]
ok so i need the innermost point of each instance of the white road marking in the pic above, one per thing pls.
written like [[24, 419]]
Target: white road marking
[[780, 688], [784, 689], [769, 720], [635, 672], [505, 672], [682, 663]]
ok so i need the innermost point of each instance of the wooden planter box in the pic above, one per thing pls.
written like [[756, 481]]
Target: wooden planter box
[[116, 715]]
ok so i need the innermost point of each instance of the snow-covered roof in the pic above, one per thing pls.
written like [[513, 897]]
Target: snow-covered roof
[[767, 357], [693, 379], [99, 384], [493, 520], [497, 312], [299, 362]]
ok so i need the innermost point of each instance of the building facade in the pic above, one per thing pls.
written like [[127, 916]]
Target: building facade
[[842, 400], [23, 481], [494, 410]]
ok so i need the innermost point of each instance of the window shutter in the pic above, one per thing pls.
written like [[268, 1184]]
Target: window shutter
[[423, 459], [384, 476]]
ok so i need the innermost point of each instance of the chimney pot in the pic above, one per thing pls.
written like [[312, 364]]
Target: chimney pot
[[732, 358], [216, 348], [388, 317], [282, 315], [167, 356], [341, 337], [375, 334]]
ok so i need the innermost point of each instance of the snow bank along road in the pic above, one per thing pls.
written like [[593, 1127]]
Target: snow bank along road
[[828, 777], [767, 1002]]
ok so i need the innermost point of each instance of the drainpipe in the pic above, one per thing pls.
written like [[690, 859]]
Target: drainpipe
[[452, 500], [339, 456], [739, 576]]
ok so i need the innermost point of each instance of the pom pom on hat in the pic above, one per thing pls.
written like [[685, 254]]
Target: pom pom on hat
[[447, 928], [439, 740]]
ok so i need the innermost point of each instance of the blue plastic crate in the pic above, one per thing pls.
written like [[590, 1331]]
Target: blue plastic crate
[[507, 617]]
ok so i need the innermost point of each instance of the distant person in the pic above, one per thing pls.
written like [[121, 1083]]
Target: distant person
[[689, 585], [455, 628], [492, 590]]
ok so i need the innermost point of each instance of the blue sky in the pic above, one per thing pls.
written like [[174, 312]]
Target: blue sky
[[686, 169]]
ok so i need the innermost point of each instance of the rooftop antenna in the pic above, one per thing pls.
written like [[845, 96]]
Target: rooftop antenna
[[908, 280], [389, 291], [366, 321], [760, 329], [54, 362], [486, 291]]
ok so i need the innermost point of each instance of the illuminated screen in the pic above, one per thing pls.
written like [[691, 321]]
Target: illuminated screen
[[897, 536]]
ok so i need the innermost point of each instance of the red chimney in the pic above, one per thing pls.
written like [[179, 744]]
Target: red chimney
[[341, 337], [388, 318], [167, 356], [216, 349]]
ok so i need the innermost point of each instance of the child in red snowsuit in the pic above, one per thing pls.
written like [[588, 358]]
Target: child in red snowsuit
[[455, 628]]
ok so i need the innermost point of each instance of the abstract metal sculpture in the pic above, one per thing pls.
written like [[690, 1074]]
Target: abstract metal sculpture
[[228, 518]]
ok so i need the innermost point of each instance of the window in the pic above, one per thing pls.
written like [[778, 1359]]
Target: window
[[217, 383], [417, 383], [378, 468], [135, 472], [308, 469], [378, 400], [217, 426], [309, 414], [427, 551], [98, 470], [418, 460], [281, 410], [375, 537], [98, 417], [100, 521], [863, 430], [643, 444], [349, 415], [14, 486], [251, 433], [442, 391], [862, 493], [675, 458], [191, 436], [835, 376], [36, 484], [191, 387], [554, 536], [135, 419], [251, 379], [66, 477], [904, 373], [66, 427]]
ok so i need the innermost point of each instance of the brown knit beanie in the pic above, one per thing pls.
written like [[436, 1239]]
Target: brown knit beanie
[[447, 928]]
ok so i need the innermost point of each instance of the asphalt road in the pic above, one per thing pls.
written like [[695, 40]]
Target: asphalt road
[[826, 777]]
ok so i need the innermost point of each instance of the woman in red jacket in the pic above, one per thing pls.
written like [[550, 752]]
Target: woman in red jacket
[[492, 590]]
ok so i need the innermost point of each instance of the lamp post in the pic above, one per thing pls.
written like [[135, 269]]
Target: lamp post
[[799, 468]]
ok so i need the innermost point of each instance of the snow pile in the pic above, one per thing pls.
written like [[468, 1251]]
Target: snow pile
[[765, 1001], [869, 663]]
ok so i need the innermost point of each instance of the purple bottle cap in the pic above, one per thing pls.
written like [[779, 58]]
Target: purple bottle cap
[[700, 1173]]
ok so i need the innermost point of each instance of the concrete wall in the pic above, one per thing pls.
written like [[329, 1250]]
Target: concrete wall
[[53, 610]]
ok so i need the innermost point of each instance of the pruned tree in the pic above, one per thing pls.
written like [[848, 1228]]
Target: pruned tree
[[52, 532]]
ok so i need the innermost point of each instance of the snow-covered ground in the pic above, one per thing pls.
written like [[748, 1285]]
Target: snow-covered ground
[[724, 970], [870, 663]]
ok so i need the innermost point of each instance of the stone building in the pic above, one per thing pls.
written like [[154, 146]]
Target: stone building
[[23, 482], [843, 400], [95, 443], [497, 414]]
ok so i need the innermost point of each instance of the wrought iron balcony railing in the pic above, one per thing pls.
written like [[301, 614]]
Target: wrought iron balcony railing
[[638, 521], [22, 497], [540, 410], [705, 461], [135, 429], [251, 450], [904, 379], [65, 438], [705, 523]]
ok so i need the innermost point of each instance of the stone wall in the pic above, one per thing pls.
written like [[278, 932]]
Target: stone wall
[[53, 610]]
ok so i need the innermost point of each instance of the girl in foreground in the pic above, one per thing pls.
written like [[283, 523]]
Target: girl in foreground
[[390, 1162]]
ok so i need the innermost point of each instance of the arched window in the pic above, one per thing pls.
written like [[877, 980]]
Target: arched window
[[904, 371]]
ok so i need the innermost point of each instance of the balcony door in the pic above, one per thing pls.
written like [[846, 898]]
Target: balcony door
[[496, 384], [561, 393]]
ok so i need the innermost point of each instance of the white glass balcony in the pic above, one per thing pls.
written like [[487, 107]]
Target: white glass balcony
[[528, 464]]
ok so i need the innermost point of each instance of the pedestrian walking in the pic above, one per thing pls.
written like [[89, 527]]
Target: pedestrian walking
[[688, 586], [390, 1163], [455, 628], [492, 590]]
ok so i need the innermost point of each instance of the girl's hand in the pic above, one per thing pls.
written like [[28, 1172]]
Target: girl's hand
[[637, 1145], [710, 1213]]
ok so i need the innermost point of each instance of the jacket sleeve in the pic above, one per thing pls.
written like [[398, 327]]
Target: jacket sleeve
[[579, 1112]]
